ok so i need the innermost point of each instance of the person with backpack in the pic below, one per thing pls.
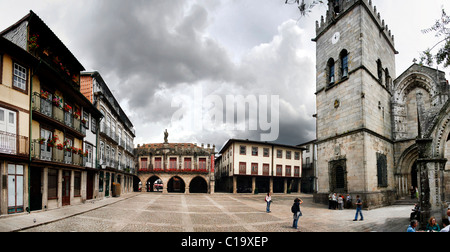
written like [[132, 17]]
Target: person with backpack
[[295, 209]]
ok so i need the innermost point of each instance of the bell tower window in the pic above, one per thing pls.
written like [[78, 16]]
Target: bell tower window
[[331, 72], [344, 64]]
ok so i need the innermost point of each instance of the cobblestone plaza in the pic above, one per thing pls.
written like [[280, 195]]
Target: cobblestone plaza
[[155, 212]]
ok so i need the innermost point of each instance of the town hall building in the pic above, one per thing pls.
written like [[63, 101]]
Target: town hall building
[[378, 133]]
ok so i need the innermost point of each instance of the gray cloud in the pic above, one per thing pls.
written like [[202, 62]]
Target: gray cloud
[[151, 51]]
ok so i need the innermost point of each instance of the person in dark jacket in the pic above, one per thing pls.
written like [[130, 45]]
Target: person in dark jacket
[[296, 211]]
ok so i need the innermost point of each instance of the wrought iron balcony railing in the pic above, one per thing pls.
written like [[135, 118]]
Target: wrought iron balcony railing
[[14, 144]]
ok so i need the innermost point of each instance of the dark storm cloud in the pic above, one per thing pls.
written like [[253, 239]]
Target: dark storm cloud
[[150, 51]]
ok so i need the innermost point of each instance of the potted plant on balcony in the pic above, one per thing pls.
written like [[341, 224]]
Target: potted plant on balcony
[[57, 101], [60, 146], [41, 140], [33, 42], [67, 108], [52, 142], [44, 94]]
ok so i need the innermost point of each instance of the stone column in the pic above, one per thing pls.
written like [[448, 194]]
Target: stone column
[[430, 182], [234, 184]]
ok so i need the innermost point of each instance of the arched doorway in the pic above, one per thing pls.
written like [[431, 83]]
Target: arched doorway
[[198, 185], [176, 185], [154, 184]]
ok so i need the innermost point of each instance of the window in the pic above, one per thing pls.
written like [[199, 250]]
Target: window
[[254, 151], [297, 171], [266, 169], [243, 150], [297, 155], [52, 184], [93, 125], [279, 153], [187, 164], [158, 163], [330, 70], [344, 64], [20, 77], [266, 152], [90, 150], [288, 154], [144, 163], [202, 164], [173, 163], [279, 170], [242, 168], [382, 170], [254, 169], [288, 171], [102, 153], [86, 119], [77, 184]]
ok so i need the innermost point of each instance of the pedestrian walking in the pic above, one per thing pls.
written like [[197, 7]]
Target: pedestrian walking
[[358, 209], [295, 209], [268, 201]]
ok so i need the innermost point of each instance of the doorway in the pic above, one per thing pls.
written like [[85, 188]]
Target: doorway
[[35, 188], [66, 188], [90, 185]]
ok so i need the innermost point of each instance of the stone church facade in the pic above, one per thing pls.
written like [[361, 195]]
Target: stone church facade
[[377, 134]]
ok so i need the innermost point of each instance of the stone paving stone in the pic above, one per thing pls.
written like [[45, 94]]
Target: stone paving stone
[[154, 212]]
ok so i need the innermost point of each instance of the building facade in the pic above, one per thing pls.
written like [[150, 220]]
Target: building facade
[[115, 137], [378, 135], [14, 126], [253, 166], [309, 161], [47, 75], [179, 167]]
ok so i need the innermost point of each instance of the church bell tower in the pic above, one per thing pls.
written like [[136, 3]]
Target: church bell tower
[[355, 66]]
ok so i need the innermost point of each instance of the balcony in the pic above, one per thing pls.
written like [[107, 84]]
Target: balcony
[[173, 170], [53, 112], [13, 144], [45, 152]]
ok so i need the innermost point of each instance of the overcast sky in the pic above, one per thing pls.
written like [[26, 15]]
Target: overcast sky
[[160, 56]]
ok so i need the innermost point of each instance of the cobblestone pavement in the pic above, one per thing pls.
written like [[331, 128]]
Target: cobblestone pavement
[[153, 212]]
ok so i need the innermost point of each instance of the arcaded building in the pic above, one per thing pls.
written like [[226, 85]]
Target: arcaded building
[[179, 167], [246, 166]]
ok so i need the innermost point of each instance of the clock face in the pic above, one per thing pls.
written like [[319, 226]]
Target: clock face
[[335, 38]]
